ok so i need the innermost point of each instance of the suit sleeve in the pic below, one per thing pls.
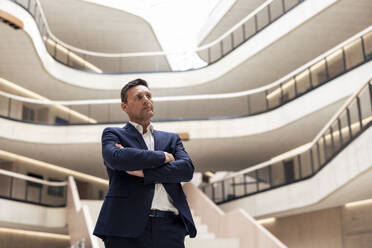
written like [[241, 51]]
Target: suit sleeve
[[127, 159], [180, 170]]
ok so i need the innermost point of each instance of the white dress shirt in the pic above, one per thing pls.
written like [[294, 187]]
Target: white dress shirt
[[161, 200]]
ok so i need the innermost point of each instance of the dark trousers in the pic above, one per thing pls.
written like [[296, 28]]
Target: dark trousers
[[160, 232]]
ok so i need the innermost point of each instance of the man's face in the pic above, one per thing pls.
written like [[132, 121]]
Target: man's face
[[139, 106]]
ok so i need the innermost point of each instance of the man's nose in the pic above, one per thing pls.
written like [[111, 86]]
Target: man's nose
[[146, 100]]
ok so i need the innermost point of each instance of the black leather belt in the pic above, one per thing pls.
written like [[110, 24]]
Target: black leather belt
[[161, 214]]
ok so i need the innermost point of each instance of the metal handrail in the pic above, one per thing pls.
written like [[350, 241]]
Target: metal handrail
[[156, 53], [268, 87], [44, 27], [14, 194], [302, 149], [31, 179]]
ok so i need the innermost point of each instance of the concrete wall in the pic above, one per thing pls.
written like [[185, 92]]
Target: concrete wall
[[341, 227]]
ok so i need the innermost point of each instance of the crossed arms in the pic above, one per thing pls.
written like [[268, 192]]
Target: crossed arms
[[154, 166]]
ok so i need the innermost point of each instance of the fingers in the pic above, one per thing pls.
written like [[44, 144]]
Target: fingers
[[138, 173], [119, 146], [168, 157]]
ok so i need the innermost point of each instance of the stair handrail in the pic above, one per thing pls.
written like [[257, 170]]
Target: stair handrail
[[301, 149]]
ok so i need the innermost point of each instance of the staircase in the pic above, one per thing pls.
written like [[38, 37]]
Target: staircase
[[202, 240], [207, 239]]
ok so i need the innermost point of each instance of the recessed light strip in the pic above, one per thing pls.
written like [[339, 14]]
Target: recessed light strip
[[266, 221], [28, 93], [33, 162], [34, 233], [72, 55], [358, 203]]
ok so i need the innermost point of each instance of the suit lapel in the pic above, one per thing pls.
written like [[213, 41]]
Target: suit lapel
[[157, 141], [133, 132]]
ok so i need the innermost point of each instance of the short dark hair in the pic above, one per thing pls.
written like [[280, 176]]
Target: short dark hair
[[124, 90]]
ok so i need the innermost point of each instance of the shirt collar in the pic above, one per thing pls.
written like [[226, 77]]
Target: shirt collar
[[140, 128]]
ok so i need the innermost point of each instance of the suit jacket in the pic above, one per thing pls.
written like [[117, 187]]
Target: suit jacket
[[126, 207]]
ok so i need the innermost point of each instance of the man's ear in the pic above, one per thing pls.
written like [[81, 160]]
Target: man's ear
[[123, 107]]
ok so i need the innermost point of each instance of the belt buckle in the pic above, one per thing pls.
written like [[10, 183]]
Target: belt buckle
[[152, 214]]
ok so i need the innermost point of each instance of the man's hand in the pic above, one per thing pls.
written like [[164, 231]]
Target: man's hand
[[119, 146], [168, 157], [137, 173]]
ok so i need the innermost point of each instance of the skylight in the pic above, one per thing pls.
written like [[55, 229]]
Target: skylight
[[176, 24]]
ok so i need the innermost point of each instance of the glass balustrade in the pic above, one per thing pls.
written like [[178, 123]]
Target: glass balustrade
[[348, 124], [344, 59], [153, 61]]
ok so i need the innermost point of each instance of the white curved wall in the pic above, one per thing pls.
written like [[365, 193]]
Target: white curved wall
[[337, 183], [29, 214], [275, 31], [314, 101]]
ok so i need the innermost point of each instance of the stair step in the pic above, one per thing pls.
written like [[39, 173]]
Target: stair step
[[211, 243]]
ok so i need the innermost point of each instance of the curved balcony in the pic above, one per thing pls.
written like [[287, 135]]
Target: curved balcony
[[305, 162], [352, 56], [264, 50], [152, 61]]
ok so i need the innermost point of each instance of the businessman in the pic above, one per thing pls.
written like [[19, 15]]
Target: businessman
[[145, 205]]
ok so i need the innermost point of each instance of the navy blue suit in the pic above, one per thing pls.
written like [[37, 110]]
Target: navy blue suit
[[125, 210]]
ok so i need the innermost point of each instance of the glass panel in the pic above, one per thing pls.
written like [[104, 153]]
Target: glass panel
[[264, 178], [215, 52], [335, 63], [208, 191], [288, 91], [227, 45], [277, 172], [19, 189], [290, 3], [354, 118], [239, 185], [257, 102], [5, 185], [345, 131], [336, 136], [365, 103], [306, 168], [303, 82], [250, 28], [228, 189], [315, 158], [318, 73], [23, 3], [328, 144], [4, 105], [353, 54], [262, 18], [238, 36], [274, 97], [251, 182], [203, 54], [320, 151], [368, 45], [61, 54], [218, 193], [276, 9], [16, 109]]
